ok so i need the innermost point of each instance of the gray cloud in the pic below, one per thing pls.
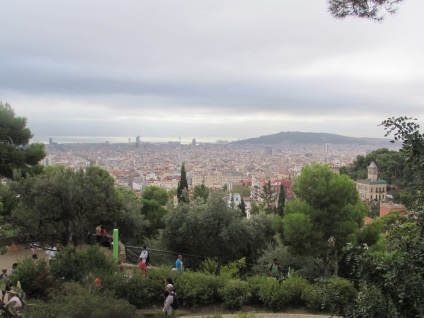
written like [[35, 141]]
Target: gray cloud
[[230, 69]]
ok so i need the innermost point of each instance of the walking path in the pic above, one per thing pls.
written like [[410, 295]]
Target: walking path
[[271, 315]]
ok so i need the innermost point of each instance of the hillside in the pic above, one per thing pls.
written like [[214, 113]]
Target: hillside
[[296, 137]]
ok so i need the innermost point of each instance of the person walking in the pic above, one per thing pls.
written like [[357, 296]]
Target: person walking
[[275, 269], [51, 252], [143, 260], [179, 264], [167, 305]]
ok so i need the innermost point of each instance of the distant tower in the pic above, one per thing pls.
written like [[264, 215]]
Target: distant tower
[[50, 141], [372, 172], [137, 141], [129, 140], [193, 143], [326, 149], [179, 140]]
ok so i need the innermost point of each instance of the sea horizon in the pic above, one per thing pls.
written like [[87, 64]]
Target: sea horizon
[[120, 140]]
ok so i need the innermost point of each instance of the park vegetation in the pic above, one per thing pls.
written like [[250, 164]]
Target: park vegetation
[[331, 261]]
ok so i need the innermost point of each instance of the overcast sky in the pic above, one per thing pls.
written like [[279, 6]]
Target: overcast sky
[[203, 69]]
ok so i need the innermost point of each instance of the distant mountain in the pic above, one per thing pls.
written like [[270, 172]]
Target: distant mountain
[[296, 137]]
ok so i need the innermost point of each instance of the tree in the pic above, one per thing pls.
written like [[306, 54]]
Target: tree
[[268, 197], [16, 153], [155, 214], [326, 212], [370, 9], [156, 193], [242, 207], [281, 201], [213, 230], [62, 201], [182, 185], [243, 191], [201, 191]]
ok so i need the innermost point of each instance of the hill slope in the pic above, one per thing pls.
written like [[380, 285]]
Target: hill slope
[[296, 137]]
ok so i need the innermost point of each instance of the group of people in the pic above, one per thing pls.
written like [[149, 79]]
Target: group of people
[[16, 297]]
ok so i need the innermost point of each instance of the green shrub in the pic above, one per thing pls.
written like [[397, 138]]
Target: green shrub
[[131, 286], [78, 265], [196, 289], [75, 301], [255, 283], [294, 286], [272, 295], [371, 303], [4, 249], [334, 294], [234, 294], [34, 276]]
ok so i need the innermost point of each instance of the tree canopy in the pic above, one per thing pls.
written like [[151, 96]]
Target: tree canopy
[[370, 9], [156, 193], [326, 212], [16, 152], [62, 201], [213, 229]]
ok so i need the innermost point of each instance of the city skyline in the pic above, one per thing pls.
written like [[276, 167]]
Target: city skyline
[[212, 70]]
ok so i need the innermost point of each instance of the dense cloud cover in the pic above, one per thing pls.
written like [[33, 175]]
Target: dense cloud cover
[[225, 69]]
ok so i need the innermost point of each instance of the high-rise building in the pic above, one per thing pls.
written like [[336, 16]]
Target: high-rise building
[[137, 141]]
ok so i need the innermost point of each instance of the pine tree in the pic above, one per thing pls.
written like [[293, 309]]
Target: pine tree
[[281, 201], [182, 185]]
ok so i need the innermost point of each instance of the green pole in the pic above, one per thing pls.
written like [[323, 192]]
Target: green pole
[[115, 245]]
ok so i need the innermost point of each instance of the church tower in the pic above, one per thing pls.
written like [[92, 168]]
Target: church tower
[[372, 172]]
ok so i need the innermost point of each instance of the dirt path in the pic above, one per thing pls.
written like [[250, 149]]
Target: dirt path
[[11, 257]]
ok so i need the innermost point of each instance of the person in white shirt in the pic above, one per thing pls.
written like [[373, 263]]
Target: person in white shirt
[[51, 252], [144, 254], [143, 260], [167, 308]]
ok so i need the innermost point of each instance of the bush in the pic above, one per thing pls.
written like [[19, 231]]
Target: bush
[[334, 294], [34, 276], [295, 286], [131, 286], [77, 265], [75, 301], [372, 304], [234, 294], [196, 289], [270, 293]]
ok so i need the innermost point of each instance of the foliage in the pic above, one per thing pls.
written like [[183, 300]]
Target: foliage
[[132, 224], [62, 201], [182, 184], [370, 9], [201, 191], [281, 201], [190, 227], [16, 152], [392, 167], [327, 210], [154, 213], [242, 190], [133, 287], [75, 301], [34, 276], [334, 294], [406, 130], [195, 289], [156, 193], [294, 286], [242, 207], [268, 197], [78, 265], [231, 270], [371, 303], [234, 294]]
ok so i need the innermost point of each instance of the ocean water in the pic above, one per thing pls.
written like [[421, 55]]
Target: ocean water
[[115, 140]]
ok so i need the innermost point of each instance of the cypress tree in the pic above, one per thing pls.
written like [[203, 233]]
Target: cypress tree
[[281, 201], [182, 185]]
